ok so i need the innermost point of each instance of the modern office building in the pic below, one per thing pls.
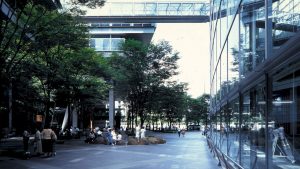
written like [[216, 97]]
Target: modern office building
[[107, 37], [255, 82]]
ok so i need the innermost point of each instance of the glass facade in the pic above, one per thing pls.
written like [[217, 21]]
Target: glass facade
[[106, 44], [255, 82]]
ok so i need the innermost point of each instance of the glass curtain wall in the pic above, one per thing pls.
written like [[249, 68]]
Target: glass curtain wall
[[106, 44], [253, 123], [285, 117], [285, 16], [259, 127], [233, 122], [252, 36]]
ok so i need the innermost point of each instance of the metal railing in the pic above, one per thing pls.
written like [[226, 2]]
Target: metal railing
[[184, 8], [224, 160]]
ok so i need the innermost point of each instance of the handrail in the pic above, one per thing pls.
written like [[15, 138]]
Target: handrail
[[235, 163], [223, 158], [125, 8]]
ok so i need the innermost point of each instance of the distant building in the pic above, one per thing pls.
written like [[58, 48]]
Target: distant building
[[106, 38], [255, 82]]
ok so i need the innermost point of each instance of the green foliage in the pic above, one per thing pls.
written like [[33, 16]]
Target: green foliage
[[44, 54], [197, 109], [169, 102], [89, 3], [140, 69]]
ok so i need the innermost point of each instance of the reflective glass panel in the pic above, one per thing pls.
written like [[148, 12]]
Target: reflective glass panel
[[252, 37], [224, 82], [285, 117], [232, 120], [233, 56], [245, 131], [286, 21]]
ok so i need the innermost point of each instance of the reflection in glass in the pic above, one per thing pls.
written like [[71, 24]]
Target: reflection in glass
[[285, 19], [252, 38], [232, 121], [245, 131], [285, 117], [224, 80], [106, 44], [233, 56]]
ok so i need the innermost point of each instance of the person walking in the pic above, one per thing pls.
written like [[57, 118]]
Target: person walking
[[109, 137], [38, 142], [178, 131], [183, 132], [47, 140], [53, 142], [26, 137]]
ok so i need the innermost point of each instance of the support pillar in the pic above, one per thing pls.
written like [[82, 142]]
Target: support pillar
[[10, 106], [111, 107], [74, 118]]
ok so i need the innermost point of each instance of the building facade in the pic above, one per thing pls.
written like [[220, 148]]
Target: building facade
[[107, 37], [255, 82]]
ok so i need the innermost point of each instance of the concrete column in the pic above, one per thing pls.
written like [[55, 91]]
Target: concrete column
[[74, 118], [111, 107], [293, 115], [10, 100]]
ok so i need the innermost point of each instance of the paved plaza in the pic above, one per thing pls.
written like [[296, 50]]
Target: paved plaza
[[190, 152]]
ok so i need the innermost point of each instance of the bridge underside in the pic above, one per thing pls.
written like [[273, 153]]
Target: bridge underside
[[147, 19]]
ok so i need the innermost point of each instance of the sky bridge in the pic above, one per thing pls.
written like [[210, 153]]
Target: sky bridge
[[151, 12]]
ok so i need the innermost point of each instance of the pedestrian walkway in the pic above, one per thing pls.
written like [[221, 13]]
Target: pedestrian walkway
[[189, 152]]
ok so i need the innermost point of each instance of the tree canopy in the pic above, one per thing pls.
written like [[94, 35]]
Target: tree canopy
[[45, 61]]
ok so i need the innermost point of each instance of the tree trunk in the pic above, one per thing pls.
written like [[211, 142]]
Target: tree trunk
[[10, 112], [142, 119], [132, 117], [152, 125], [128, 119], [136, 118]]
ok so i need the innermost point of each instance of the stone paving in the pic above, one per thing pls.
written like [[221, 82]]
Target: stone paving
[[190, 152]]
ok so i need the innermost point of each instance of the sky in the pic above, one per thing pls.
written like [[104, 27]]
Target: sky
[[191, 40]]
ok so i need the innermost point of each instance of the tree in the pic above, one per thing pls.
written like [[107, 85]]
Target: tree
[[35, 41], [172, 102], [139, 69], [89, 3], [198, 110], [16, 43], [83, 82]]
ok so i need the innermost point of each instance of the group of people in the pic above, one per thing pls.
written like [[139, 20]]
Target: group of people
[[111, 136], [44, 142], [180, 132], [92, 135], [140, 133]]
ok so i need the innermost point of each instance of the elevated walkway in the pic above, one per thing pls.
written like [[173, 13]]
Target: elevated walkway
[[151, 12]]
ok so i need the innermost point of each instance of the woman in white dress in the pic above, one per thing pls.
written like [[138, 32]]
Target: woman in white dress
[[143, 133], [38, 142], [137, 133]]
